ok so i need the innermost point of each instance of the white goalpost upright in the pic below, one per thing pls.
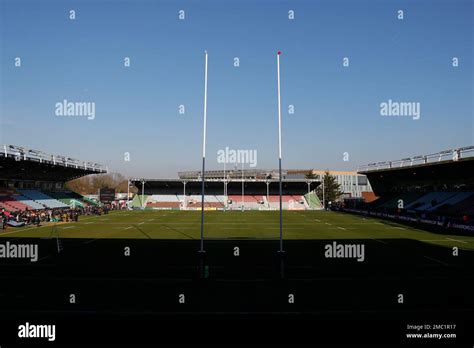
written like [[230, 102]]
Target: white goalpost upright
[[279, 151], [242, 208], [201, 250], [225, 188], [280, 251]]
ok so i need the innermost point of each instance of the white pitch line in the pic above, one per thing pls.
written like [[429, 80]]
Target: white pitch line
[[380, 241], [127, 228], [457, 240], [341, 228], [44, 257], [67, 227], [90, 217], [432, 259], [434, 240], [21, 230], [327, 223], [90, 241]]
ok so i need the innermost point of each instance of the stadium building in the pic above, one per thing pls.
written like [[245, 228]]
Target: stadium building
[[34, 180], [237, 190], [249, 189], [353, 184], [435, 190]]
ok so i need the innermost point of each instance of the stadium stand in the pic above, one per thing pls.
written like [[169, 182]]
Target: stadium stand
[[162, 201], [161, 205], [210, 201], [452, 201], [432, 190], [14, 200], [249, 202], [429, 200], [391, 201], [290, 202], [175, 195], [42, 199], [221, 199], [26, 201], [34, 180], [313, 201], [163, 198], [9, 203], [465, 206], [139, 201], [70, 198]]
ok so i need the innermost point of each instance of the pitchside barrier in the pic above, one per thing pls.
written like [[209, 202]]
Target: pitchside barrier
[[438, 225]]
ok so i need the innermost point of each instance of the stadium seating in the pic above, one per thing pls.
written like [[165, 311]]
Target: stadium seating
[[210, 201], [429, 200], [465, 206], [221, 199], [27, 201], [163, 201], [163, 205], [11, 204], [42, 199], [233, 202], [139, 201], [163, 198], [194, 201], [439, 203], [289, 202], [313, 201], [392, 201], [453, 200], [246, 198], [297, 198], [276, 198], [70, 198], [249, 202]]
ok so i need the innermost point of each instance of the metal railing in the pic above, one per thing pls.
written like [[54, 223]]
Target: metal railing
[[223, 180], [22, 153], [447, 155]]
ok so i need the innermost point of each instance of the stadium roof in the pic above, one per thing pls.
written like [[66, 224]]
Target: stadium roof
[[232, 173], [452, 155], [216, 186], [446, 170], [20, 163], [262, 174], [218, 180], [322, 172]]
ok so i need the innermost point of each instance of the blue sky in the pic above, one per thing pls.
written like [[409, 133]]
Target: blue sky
[[337, 109]]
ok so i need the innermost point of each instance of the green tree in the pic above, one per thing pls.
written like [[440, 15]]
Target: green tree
[[331, 188]]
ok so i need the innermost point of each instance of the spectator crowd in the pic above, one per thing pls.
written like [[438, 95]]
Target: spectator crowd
[[36, 217]]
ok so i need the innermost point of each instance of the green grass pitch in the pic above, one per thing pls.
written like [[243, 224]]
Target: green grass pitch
[[167, 224]]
